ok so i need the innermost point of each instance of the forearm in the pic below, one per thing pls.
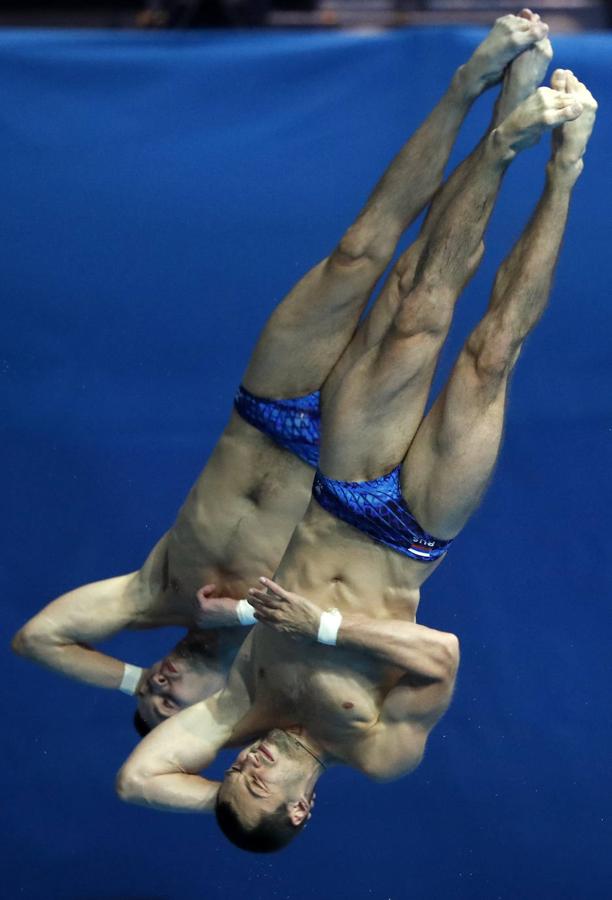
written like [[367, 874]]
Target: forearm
[[60, 635], [162, 770], [415, 648], [169, 793]]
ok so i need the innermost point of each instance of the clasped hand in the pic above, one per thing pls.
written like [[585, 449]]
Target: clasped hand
[[284, 611]]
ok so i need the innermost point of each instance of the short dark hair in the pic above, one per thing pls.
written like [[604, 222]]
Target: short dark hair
[[140, 725], [274, 832]]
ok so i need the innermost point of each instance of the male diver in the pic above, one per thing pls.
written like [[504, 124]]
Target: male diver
[[337, 671], [260, 472]]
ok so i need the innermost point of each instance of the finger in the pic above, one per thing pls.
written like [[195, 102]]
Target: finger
[[276, 588], [264, 619], [264, 599]]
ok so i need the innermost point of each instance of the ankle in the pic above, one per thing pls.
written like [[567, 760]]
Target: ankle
[[563, 173], [462, 89], [498, 148]]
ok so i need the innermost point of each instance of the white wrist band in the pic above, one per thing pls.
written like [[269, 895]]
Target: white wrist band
[[245, 613], [329, 625], [131, 677]]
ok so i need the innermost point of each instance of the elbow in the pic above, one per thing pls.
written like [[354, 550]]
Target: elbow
[[450, 656], [129, 784], [26, 642]]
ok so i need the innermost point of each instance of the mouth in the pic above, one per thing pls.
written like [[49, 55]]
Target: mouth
[[266, 752]]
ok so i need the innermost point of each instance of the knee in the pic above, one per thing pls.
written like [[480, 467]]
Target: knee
[[360, 245], [492, 352], [426, 309]]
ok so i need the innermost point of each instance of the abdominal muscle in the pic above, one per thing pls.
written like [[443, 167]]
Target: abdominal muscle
[[334, 692], [335, 565], [234, 525]]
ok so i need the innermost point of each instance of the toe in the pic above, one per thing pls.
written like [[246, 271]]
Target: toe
[[545, 47], [573, 110], [572, 82], [557, 80]]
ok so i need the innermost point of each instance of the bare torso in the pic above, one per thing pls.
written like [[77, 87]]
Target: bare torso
[[334, 693], [233, 527]]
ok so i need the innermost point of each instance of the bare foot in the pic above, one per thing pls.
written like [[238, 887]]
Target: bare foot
[[543, 110], [524, 74], [510, 36], [570, 141]]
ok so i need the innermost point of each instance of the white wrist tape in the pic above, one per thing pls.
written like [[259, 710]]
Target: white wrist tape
[[131, 677], [329, 625], [245, 613]]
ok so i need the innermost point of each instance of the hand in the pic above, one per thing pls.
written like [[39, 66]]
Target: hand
[[214, 612], [283, 611]]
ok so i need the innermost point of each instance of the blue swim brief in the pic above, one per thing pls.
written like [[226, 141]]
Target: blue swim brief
[[294, 424], [378, 509]]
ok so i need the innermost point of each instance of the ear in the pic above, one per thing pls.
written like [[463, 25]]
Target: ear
[[298, 811]]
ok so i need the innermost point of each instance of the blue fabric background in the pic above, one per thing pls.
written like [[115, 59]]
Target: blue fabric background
[[160, 193]]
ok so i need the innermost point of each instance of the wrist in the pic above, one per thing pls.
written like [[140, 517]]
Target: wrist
[[245, 613], [132, 676], [329, 626]]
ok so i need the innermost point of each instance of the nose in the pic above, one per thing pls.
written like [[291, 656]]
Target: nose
[[158, 682], [255, 758]]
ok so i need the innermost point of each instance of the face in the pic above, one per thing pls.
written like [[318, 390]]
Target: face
[[175, 682], [272, 771]]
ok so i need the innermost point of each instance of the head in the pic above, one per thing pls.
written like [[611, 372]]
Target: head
[[266, 796], [192, 671]]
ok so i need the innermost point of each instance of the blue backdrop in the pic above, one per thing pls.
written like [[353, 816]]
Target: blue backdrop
[[160, 194]]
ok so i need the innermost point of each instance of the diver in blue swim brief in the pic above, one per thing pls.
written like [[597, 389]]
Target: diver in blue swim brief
[[337, 671]]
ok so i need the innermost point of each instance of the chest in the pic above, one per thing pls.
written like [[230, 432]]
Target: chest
[[333, 696]]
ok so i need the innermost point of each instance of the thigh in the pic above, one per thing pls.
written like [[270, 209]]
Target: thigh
[[451, 460], [308, 332], [373, 404]]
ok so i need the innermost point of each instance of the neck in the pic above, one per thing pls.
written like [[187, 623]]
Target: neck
[[308, 746]]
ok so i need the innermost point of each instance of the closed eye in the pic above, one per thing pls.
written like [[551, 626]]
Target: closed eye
[[255, 782]]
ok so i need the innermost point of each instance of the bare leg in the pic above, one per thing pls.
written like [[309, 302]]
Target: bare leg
[[521, 78], [450, 462], [371, 415], [309, 330]]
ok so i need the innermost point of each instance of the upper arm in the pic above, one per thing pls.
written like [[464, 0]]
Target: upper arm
[[87, 614], [409, 712], [162, 770], [190, 740], [419, 700]]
